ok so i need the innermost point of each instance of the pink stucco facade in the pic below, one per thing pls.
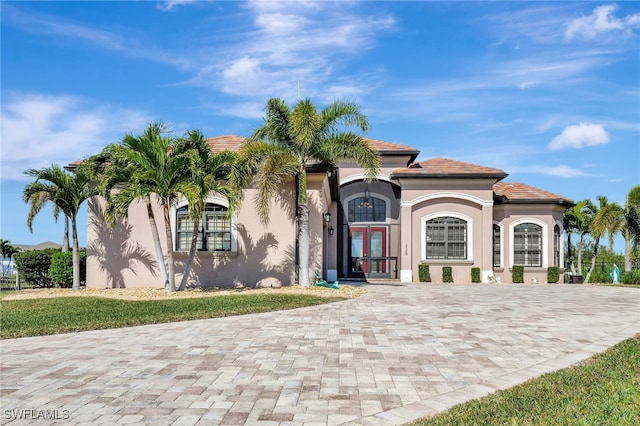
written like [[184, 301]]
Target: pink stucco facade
[[378, 230]]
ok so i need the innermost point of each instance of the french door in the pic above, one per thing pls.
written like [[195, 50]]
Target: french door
[[368, 251]]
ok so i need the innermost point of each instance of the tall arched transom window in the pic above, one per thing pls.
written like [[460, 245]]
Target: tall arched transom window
[[446, 238], [367, 209]]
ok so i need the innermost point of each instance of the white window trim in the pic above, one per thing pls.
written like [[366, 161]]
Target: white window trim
[[387, 208], [544, 242], [423, 235], [211, 199], [501, 226]]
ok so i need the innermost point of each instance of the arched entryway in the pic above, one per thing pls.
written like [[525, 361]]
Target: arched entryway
[[369, 230]]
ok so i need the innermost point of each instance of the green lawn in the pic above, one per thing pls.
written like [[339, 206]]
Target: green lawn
[[37, 317], [605, 390]]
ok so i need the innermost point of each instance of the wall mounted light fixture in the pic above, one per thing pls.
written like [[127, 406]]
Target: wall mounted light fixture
[[326, 216], [331, 230]]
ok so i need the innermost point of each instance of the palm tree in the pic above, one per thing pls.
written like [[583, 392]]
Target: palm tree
[[146, 166], [626, 221], [293, 138], [578, 219], [598, 229], [211, 174], [67, 192], [7, 251]]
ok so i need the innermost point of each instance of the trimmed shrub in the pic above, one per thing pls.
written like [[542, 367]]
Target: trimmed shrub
[[423, 273], [553, 274], [475, 275], [630, 277], [517, 274], [61, 269], [33, 266], [447, 275]]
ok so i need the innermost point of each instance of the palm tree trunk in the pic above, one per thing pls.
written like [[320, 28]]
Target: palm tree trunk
[[192, 252], [572, 267], [593, 260], [75, 256], [304, 245], [627, 250], [65, 239], [170, 267], [580, 243], [156, 241]]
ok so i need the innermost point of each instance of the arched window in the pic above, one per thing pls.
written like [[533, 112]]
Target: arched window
[[214, 233], [496, 246], [446, 238], [367, 209], [527, 244], [556, 245]]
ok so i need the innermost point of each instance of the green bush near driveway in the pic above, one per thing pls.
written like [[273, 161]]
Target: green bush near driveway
[[553, 274]]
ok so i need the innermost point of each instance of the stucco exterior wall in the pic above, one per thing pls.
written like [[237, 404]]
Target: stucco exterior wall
[[425, 199], [545, 215], [123, 255]]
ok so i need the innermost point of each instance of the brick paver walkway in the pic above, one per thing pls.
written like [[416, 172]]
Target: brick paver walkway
[[396, 354]]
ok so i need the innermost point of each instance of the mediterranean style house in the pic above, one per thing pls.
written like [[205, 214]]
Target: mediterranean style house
[[440, 211]]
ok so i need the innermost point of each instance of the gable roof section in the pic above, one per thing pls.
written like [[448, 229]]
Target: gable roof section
[[516, 192], [446, 168]]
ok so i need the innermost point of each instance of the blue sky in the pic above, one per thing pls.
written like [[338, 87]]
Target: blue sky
[[547, 91]]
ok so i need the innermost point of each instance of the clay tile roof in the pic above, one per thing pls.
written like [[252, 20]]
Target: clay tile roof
[[519, 192], [444, 167], [225, 143], [383, 146]]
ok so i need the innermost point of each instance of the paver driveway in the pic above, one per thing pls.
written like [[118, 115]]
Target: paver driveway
[[396, 354]]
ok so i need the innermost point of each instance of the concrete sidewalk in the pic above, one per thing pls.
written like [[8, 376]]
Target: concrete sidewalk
[[399, 353]]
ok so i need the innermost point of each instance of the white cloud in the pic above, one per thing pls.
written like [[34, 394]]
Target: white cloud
[[294, 41], [579, 136], [601, 20], [565, 172], [40, 130], [170, 4], [243, 76], [526, 84]]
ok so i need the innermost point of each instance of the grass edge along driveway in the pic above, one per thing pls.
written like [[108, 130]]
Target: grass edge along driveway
[[603, 390], [46, 316]]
